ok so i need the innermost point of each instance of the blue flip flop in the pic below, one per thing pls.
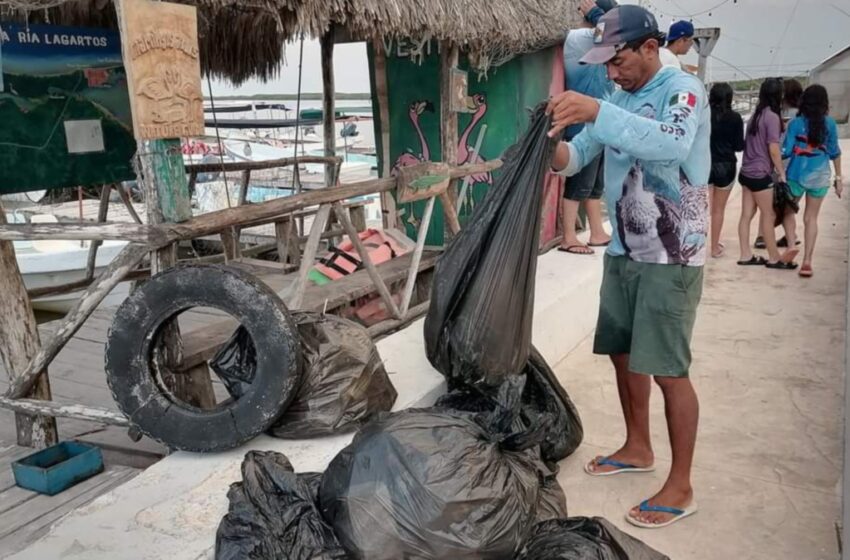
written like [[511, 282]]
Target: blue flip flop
[[678, 514], [619, 467]]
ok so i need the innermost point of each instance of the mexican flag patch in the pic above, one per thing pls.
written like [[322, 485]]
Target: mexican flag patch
[[684, 98]]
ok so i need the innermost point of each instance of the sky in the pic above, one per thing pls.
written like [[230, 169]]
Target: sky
[[757, 38]]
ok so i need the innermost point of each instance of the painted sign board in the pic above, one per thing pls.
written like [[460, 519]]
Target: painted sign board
[[64, 108], [163, 69]]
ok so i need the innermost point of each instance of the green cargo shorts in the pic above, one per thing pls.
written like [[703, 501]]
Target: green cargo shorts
[[648, 311]]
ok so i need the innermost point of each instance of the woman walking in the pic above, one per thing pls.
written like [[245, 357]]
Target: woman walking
[[727, 137], [811, 143], [761, 159]]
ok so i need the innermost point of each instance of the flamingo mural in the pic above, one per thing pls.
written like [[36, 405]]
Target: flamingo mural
[[465, 151], [409, 158]]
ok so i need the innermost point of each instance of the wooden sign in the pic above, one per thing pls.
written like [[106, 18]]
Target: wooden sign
[[422, 181], [160, 44]]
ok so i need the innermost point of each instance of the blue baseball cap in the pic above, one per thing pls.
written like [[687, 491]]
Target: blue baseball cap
[[621, 25], [680, 29]]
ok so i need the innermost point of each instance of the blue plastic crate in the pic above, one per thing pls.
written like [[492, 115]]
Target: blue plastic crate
[[57, 468]]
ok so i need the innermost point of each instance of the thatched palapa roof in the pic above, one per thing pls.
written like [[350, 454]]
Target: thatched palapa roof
[[243, 39]]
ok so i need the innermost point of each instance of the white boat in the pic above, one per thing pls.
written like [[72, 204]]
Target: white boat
[[46, 263]]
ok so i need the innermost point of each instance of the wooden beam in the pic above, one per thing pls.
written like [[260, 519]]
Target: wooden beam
[[115, 231], [126, 260], [449, 55], [128, 204], [391, 325], [166, 188], [417, 256], [328, 108], [102, 210], [55, 410], [295, 294], [19, 342], [344, 219], [388, 207], [233, 166], [59, 289]]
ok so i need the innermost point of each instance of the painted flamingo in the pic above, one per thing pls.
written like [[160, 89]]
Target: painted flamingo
[[409, 158], [464, 150]]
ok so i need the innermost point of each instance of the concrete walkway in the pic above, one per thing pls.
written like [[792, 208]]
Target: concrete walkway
[[769, 371]]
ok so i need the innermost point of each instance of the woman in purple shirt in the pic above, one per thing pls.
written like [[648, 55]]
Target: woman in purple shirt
[[762, 159]]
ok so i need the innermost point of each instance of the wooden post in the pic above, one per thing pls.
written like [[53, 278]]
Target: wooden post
[[128, 204], [19, 342], [166, 188], [102, 211], [449, 55], [294, 296], [388, 207], [328, 104], [287, 242]]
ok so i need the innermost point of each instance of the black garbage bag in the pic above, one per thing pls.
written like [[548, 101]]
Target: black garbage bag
[[478, 327], [584, 538], [434, 484], [542, 395], [344, 381], [273, 515], [783, 202], [552, 502]]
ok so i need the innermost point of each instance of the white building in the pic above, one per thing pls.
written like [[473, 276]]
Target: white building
[[834, 74]]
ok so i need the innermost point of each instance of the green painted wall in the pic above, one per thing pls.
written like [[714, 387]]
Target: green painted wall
[[508, 91]]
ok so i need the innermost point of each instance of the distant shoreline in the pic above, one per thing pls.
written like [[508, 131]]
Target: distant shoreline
[[292, 97]]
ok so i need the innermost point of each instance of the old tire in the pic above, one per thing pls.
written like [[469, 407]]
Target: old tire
[[150, 406]]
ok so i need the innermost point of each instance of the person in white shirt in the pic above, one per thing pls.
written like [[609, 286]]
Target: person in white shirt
[[680, 39]]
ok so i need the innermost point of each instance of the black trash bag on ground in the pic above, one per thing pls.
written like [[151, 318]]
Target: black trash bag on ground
[[478, 327], [542, 395], [273, 515], [433, 484], [552, 502], [344, 381], [584, 538], [783, 202]]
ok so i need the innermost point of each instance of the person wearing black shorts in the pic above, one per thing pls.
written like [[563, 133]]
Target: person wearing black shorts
[[762, 160], [727, 137]]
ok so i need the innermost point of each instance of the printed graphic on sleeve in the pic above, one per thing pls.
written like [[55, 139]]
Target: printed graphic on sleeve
[[684, 98]]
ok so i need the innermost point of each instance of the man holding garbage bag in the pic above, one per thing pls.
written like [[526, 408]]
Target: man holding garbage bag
[[655, 136]]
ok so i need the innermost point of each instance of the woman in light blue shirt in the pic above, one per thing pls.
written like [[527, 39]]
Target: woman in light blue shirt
[[811, 142]]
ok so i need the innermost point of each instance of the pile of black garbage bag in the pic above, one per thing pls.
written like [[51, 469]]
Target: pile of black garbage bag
[[343, 382], [474, 477]]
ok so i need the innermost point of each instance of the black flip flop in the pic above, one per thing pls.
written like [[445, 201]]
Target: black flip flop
[[571, 250], [754, 261], [779, 265]]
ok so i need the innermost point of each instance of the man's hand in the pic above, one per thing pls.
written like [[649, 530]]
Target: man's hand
[[561, 157], [839, 185], [571, 108]]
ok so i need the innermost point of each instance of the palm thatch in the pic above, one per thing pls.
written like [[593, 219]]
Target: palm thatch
[[244, 39]]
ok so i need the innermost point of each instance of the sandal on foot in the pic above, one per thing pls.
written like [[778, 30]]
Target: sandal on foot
[[781, 265], [806, 271], [754, 261], [760, 244], [678, 514], [577, 250], [599, 244], [789, 255], [619, 467]]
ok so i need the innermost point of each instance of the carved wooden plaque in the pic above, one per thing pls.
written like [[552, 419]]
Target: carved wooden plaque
[[160, 45]]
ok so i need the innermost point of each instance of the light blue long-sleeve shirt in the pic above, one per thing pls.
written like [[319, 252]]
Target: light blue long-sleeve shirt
[[809, 165], [657, 161], [589, 79]]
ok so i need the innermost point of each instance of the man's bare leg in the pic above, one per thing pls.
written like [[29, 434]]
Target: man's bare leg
[[598, 235], [681, 407], [634, 390], [570, 240]]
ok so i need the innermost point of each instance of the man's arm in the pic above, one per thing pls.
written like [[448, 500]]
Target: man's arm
[[570, 158], [668, 139]]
